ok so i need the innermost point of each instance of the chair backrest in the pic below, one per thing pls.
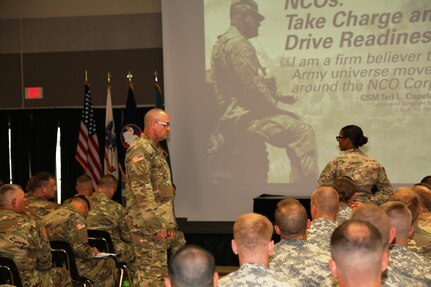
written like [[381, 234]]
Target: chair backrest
[[62, 256], [101, 239], [9, 273]]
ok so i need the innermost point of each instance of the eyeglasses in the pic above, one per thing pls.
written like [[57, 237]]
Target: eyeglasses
[[338, 138], [166, 124]]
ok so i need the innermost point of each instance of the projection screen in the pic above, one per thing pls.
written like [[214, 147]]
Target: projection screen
[[326, 63]]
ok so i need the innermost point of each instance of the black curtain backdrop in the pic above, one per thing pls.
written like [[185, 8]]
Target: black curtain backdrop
[[4, 147], [33, 143]]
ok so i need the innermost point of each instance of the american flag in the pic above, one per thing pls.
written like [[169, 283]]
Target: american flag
[[87, 150]]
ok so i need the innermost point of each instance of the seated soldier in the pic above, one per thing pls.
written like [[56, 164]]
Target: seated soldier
[[424, 192], [378, 218], [421, 241], [324, 206], [252, 242], [293, 255], [22, 240], [68, 224], [402, 260], [346, 189], [84, 186], [359, 254], [41, 188], [109, 215], [193, 266]]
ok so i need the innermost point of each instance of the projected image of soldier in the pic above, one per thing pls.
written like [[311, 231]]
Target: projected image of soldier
[[250, 112]]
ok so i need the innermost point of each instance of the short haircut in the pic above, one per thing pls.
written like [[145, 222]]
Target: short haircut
[[423, 190], [409, 197], [84, 179], [108, 181], [345, 187], [327, 200], [374, 215], [82, 199], [291, 217], [39, 180], [357, 244], [6, 190], [252, 231], [191, 266], [400, 217]]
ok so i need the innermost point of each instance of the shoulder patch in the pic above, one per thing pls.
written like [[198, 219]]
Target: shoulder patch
[[138, 158], [80, 226]]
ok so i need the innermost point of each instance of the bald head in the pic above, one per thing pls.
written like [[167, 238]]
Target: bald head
[[191, 266], [291, 218], [157, 125], [375, 216], [324, 203]]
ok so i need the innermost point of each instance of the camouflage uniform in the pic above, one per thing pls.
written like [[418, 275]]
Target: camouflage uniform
[[389, 279], [22, 240], [344, 213], [38, 207], [250, 275], [410, 264], [425, 221], [297, 258], [108, 215], [364, 170], [66, 224], [320, 233], [248, 103], [421, 241], [149, 208]]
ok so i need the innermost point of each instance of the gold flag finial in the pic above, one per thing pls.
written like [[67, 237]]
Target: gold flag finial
[[86, 77], [109, 78], [156, 79], [129, 76]]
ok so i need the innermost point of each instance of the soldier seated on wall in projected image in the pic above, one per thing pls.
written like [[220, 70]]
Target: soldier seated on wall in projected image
[[249, 109]]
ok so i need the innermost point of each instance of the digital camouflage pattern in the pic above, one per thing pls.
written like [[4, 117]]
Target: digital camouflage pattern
[[256, 275], [108, 215], [365, 171], [296, 258], [247, 101], [410, 264], [389, 279], [320, 233], [422, 240], [66, 224], [149, 208], [344, 213], [425, 221], [22, 240], [38, 207]]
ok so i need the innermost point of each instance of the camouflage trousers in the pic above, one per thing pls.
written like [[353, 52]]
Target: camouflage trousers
[[151, 260], [101, 271], [176, 242], [297, 137], [58, 277], [61, 277]]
